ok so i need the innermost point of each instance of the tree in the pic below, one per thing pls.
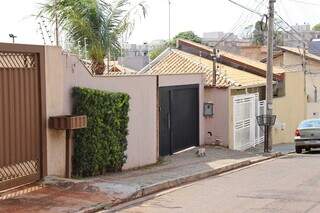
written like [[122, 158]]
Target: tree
[[96, 25], [158, 50], [316, 27], [259, 33], [188, 35]]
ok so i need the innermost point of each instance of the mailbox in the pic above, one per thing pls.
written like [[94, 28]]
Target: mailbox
[[68, 123]]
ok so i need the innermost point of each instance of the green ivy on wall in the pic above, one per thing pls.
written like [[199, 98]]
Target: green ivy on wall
[[101, 147]]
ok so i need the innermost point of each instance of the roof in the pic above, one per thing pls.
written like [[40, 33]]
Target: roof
[[179, 62], [115, 69], [298, 51], [239, 60]]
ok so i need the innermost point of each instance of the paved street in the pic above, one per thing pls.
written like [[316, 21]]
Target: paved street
[[288, 184]]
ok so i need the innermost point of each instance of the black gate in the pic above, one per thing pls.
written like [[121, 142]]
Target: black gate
[[179, 118]]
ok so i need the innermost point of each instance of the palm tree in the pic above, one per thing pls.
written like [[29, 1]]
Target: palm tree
[[98, 22]]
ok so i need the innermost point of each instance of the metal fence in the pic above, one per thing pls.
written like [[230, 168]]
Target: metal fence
[[21, 123]]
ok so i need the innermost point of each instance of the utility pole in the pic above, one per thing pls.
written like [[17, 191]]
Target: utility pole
[[269, 88], [304, 66], [57, 24], [169, 1], [13, 37], [214, 67]]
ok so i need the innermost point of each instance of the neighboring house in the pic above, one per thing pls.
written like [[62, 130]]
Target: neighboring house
[[255, 52], [115, 68], [134, 56], [224, 41], [236, 91], [291, 58], [135, 63]]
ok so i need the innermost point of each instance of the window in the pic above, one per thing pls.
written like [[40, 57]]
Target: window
[[310, 124]]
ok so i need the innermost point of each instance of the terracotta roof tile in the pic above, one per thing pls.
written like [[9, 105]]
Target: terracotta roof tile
[[179, 62], [115, 69], [247, 61]]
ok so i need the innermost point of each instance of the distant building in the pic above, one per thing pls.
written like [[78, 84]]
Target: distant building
[[135, 49], [135, 56], [224, 41], [306, 33]]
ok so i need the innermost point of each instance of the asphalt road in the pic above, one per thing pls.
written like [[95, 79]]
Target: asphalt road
[[288, 184]]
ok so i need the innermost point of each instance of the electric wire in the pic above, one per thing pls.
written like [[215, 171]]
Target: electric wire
[[237, 25]]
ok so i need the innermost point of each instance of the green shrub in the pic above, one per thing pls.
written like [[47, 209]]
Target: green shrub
[[100, 147]]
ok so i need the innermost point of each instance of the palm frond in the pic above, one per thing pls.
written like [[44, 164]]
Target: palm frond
[[99, 22]]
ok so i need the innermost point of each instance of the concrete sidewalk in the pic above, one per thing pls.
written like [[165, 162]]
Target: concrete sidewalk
[[284, 148], [89, 195]]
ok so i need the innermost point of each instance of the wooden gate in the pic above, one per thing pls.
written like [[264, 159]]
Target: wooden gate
[[22, 128]]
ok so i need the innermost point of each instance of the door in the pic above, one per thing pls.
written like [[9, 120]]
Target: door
[[179, 118], [20, 118]]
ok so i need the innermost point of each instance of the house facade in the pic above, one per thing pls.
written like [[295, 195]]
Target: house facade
[[237, 95], [32, 150], [291, 58]]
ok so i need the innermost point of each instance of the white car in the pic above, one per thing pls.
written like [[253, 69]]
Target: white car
[[307, 135]]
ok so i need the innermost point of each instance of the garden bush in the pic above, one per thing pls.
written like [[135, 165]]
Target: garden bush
[[100, 147]]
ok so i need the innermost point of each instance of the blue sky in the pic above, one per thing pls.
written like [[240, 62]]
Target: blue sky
[[197, 15]]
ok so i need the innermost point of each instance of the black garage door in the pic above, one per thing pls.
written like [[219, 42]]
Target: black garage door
[[179, 118]]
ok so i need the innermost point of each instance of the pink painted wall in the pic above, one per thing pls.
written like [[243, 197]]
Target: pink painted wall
[[65, 72], [216, 127]]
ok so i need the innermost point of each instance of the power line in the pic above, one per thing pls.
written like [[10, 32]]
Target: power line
[[305, 2], [246, 8], [237, 26], [294, 30]]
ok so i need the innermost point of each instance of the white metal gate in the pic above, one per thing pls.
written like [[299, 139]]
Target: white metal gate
[[261, 110], [247, 133], [244, 113]]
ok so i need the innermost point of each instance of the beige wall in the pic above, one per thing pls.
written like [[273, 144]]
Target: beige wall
[[293, 62], [54, 95], [187, 79], [290, 109], [254, 52], [218, 124]]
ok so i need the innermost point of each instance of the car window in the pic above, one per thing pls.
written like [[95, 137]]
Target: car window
[[310, 124]]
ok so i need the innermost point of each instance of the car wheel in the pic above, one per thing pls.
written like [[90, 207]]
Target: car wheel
[[298, 150]]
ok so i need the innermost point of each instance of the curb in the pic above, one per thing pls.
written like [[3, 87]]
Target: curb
[[148, 190]]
